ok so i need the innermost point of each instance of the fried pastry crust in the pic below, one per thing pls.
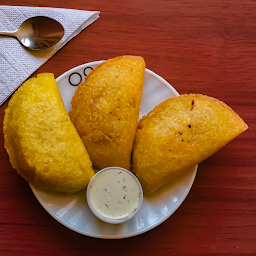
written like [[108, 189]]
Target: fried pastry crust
[[179, 133], [105, 110], [43, 144]]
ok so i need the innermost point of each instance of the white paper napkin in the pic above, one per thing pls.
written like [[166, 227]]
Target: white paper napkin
[[18, 63]]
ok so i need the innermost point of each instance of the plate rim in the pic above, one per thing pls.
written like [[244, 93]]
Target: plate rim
[[60, 77], [117, 237]]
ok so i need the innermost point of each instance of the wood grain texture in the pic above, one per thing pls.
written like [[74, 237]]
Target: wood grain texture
[[206, 47]]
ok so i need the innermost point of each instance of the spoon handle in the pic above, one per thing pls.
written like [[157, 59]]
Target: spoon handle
[[8, 33]]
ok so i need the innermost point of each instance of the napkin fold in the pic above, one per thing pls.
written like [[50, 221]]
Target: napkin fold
[[18, 63]]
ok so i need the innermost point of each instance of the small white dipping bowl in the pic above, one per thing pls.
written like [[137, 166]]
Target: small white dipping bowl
[[114, 195]]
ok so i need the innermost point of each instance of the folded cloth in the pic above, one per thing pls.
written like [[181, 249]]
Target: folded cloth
[[18, 63]]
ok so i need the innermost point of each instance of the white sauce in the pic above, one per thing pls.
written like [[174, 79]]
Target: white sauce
[[114, 194]]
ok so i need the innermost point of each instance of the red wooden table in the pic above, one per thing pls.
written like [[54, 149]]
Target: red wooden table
[[206, 47]]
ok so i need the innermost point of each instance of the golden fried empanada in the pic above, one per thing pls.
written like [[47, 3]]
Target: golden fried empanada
[[43, 144], [179, 133], [105, 110]]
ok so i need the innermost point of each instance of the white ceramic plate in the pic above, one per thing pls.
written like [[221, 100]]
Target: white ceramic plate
[[73, 212]]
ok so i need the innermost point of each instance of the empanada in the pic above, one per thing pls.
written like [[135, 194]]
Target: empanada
[[105, 110], [179, 133], [43, 144]]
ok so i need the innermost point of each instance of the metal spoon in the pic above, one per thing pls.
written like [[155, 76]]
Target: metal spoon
[[38, 33]]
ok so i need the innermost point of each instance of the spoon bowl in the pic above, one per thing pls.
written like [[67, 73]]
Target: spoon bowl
[[38, 33]]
